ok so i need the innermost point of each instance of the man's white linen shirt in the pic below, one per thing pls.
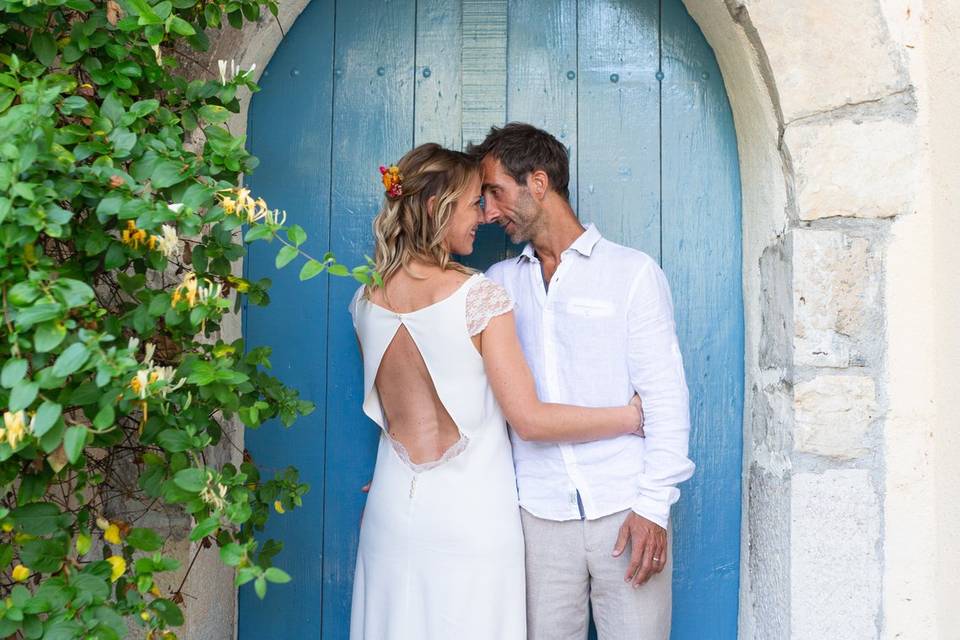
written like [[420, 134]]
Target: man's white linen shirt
[[602, 330]]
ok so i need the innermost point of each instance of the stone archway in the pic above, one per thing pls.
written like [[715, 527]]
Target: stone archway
[[827, 164]]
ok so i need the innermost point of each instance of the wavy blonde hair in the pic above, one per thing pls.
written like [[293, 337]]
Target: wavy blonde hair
[[404, 229]]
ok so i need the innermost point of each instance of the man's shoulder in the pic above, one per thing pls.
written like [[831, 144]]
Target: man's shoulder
[[501, 272], [628, 259]]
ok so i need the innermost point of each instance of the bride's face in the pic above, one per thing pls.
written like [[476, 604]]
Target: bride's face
[[466, 217]]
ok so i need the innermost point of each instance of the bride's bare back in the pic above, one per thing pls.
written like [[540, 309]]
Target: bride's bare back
[[415, 416]]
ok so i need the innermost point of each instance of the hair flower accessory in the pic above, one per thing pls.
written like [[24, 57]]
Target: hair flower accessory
[[392, 180]]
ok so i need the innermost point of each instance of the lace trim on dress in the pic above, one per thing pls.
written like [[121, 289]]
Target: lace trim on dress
[[485, 300], [455, 449]]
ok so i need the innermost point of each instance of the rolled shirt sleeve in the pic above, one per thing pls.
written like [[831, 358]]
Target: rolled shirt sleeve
[[656, 374]]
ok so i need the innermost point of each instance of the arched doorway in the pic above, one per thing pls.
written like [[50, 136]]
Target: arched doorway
[[634, 90]]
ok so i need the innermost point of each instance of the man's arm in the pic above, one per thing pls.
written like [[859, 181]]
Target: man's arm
[[656, 373]]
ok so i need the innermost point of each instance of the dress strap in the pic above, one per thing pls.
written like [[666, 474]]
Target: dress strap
[[485, 300]]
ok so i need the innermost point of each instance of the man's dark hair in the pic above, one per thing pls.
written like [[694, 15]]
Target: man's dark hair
[[522, 148]]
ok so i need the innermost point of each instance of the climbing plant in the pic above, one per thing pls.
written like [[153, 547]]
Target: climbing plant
[[122, 220]]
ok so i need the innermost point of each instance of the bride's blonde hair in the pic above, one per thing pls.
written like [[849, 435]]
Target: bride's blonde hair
[[404, 229]]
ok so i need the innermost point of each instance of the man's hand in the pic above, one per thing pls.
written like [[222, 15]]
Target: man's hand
[[649, 553]]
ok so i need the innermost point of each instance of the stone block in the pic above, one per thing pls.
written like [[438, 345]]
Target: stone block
[[865, 169], [836, 283], [833, 414], [827, 54], [768, 550], [834, 563]]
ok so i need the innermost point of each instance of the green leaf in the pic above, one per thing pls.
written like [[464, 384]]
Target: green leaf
[[44, 555], [338, 270], [74, 441], [260, 586], [204, 528], [168, 611], [311, 269], [48, 336], [23, 395], [104, 418], [44, 46], [40, 312], [144, 107], [231, 554], [214, 113], [285, 255], [258, 232], [144, 539], [296, 234], [62, 630], [166, 174], [191, 479], [37, 518], [75, 292], [173, 440], [72, 358], [274, 574], [47, 415], [13, 372]]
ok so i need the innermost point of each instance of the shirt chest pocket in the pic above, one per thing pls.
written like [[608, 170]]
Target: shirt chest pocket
[[590, 308]]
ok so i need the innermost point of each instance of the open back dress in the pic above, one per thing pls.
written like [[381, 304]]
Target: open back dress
[[441, 548]]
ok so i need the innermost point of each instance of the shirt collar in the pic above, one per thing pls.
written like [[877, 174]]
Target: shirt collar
[[583, 245]]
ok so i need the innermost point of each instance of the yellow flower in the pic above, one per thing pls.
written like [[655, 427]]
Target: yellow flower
[[20, 573], [145, 616], [186, 291], [154, 590], [278, 506], [112, 534], [7, 527], [134, 237], [15, 427], [119, 567]]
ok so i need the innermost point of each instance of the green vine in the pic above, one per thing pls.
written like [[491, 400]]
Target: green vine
[[120, 221]]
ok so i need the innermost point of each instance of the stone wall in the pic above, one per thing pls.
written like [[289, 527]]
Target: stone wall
[[847, 132]]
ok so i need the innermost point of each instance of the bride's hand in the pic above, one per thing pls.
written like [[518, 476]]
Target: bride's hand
[[635, 401]]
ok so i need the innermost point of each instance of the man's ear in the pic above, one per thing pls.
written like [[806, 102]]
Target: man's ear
[[539, 183], [431, 204]]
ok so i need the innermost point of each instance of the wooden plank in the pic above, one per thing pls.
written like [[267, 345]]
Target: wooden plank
[[542, 72], [372, 125], [484, 64], [439, 97], [618, 137], [294, 154], [702, 260]]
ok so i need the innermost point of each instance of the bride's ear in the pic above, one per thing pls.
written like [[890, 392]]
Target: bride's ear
[[431, 205]]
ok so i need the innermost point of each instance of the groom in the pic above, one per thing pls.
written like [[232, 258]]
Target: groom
[[596, 323]]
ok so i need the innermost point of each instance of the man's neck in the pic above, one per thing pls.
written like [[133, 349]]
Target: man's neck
[[561, 228]]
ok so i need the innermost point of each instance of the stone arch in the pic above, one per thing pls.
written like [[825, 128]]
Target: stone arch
[[814, 233]]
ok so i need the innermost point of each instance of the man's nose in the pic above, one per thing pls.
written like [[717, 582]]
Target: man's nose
[[490, 211]]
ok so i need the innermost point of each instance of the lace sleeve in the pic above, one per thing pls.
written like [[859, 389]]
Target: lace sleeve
[[485, 300]]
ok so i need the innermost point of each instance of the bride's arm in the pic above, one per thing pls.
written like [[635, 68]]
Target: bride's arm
[[515, 390]]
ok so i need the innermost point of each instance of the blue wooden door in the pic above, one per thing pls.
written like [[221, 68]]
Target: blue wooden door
[[634, 91]]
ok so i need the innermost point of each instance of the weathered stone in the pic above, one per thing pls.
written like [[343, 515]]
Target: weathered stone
[[809, 46], [834, 563], [861, 170], [833, 414], [775, 307], [768, 555], [836, 284]]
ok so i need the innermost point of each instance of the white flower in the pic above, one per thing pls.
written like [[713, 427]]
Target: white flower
[[168, 244], [175, 206], [223, 71]]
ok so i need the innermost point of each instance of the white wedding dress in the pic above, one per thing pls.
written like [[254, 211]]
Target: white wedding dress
[[441, 548]]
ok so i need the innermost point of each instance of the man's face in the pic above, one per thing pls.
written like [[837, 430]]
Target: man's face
[[508, 204]]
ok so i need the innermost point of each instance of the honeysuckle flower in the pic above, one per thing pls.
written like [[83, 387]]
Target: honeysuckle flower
[[214, 493], [186, 291], [20, 573], [14, 429], [119, 567], [175, 206], [222, 64], [168, 244], [134, 237], [278, 506]]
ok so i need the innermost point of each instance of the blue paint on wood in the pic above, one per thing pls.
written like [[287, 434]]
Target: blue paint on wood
[[702, 261], [372, 125], [294, 174], [661, 161]]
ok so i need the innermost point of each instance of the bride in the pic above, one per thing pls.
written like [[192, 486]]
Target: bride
[[441, 549]]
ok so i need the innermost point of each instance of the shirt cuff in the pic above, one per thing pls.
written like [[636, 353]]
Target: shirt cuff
[[653, 510]]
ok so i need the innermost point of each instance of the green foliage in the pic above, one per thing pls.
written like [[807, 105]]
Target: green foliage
[[120, 219]]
